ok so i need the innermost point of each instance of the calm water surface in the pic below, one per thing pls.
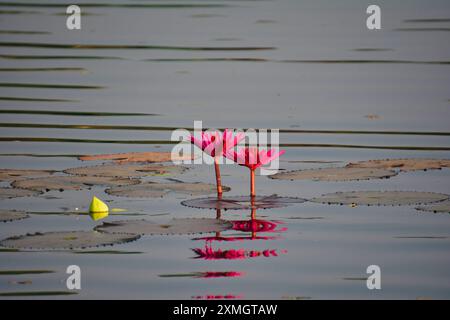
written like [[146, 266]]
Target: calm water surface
[[308, 67]]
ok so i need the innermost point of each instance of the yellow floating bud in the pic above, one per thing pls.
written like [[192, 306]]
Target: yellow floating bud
[[98, 205]]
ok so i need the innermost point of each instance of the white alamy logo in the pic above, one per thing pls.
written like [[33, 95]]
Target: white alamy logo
[[374, 280], [373, 21], [73, 282], [73, 21]]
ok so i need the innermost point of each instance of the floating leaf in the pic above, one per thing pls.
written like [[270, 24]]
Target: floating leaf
[[137, 157], [126, 170], [441, 207], [176, 226], [334, 174], [381, 198], [65, 240], [156, 190], [9, 193], [14, 174], [402, 164], [242, 202], [10, 215], [62, 183]]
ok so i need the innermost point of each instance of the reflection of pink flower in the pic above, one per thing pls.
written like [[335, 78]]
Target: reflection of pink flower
[[212, 142], [209, 254], [220, 274], [253, 158], [232, 254], [231, 239], [255, 225]]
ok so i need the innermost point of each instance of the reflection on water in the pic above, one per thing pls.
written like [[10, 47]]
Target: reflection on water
[[252, 227], [338, 93]]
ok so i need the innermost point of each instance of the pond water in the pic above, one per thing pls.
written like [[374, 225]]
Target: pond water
[[338, 92]]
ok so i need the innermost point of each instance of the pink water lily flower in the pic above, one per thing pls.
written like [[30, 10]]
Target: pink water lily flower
[[253, 158], [217, 144]]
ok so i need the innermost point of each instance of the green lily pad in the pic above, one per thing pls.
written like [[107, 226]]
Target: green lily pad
[[63, 183], [11, 215], [157, 190], [176, 226], [65, 240], [242, 202], [441, 207], [9, 193], [380, 198], [126, 170], [335, 174]]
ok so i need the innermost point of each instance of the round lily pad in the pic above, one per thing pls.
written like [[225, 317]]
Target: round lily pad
[[176, 226], [381, 198], [137, 157], [126, 170], [15, 174], [11, 215], [402, 164], [441, 207], [9, 193], [156, 190], [242, 202], [65, 240], [62, 183], [335, 174]]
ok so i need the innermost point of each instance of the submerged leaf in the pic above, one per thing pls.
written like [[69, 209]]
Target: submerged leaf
[[157, 190], [65, 240], [126, 170], [335, 174], [380, 198], [242, 202], [9, 193], [11, 215], [402, 164], [176, 226], [62, 183]]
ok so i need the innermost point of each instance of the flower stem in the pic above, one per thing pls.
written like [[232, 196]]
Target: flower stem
[[218, 179], [253, 215], [252, 183]]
